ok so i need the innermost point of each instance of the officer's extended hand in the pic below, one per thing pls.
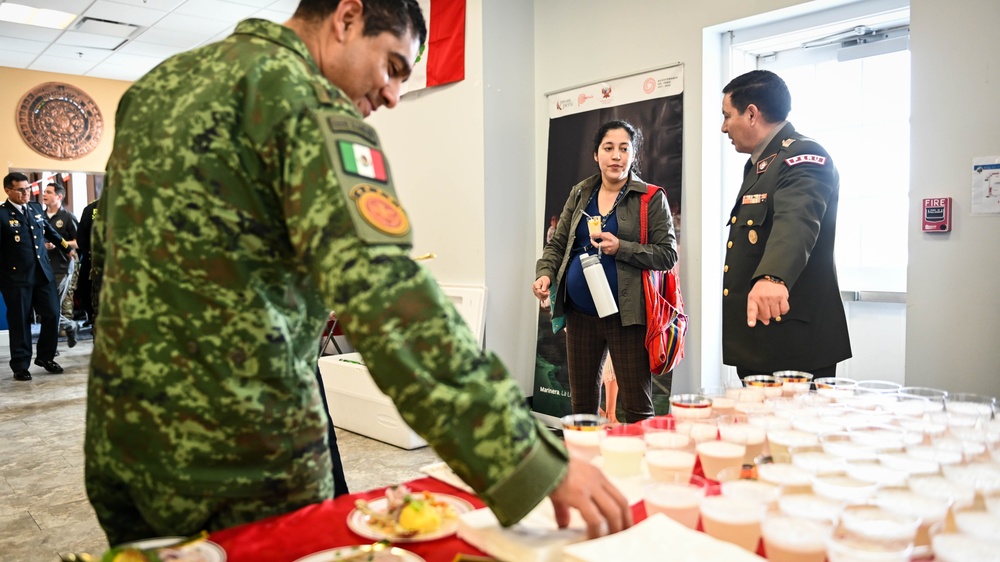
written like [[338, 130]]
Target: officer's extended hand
[[767, 300], [607, 242], [586, 489], [541, 287]]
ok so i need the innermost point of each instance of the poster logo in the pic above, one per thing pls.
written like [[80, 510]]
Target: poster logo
[[649, 85], [606, 91], [582, 98], [564, 104]]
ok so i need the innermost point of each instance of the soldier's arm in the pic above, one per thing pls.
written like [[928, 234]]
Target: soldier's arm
[[414, 342], [53, 236]]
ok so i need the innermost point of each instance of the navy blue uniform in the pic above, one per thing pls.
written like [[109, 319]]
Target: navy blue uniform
[[27, 282]]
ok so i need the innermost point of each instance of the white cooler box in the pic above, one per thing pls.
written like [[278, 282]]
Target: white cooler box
[[357, 404]]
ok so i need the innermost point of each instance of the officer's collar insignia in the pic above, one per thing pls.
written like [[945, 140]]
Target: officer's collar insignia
[[380, 209], [763, 163], [787, 142]]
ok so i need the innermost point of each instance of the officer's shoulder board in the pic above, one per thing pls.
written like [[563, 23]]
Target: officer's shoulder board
[[365, 179]]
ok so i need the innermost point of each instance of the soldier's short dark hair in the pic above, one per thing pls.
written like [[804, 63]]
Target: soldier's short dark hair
[[634, 134], [60, 190], [395, 16], [9, 179], [764, 89]]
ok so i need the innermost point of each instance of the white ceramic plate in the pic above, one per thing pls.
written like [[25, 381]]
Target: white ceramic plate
[[201, 551], [358, 522], [393, 554]]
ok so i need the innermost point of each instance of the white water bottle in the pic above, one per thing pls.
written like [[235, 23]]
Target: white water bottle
[[597, 282]]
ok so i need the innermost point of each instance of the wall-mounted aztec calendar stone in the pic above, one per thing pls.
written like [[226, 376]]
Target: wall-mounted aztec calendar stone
[[59, 121]]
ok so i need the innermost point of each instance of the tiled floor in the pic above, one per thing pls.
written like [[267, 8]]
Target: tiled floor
[[43, 506]]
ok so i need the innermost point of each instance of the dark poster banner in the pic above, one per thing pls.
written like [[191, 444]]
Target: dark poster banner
[[653, 102]]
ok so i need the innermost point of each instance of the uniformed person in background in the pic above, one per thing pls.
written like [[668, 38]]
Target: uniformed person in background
[[26, 279], [63, 267], [245, 199], [781, 305]]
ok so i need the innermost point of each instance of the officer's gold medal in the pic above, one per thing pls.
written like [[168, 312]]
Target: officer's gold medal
[[752, 236], [17, 238]]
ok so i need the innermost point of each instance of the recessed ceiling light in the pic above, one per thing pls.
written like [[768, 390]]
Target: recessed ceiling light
[[17, 13]]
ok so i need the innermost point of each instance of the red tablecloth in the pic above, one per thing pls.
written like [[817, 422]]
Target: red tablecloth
[[288, 537], [322, 526]]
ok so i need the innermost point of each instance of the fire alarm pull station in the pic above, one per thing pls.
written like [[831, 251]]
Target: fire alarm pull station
[[937, 215]]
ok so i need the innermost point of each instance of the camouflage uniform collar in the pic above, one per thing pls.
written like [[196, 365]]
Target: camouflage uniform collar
[[277, 33]]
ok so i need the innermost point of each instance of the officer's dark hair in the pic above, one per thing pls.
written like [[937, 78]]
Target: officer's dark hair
[[634, 134], [60, 190], [395, 16], [764, 89], [9, 179]]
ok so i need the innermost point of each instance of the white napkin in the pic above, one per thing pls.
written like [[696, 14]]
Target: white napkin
[[536, 538], [657, 538], [441, 471]]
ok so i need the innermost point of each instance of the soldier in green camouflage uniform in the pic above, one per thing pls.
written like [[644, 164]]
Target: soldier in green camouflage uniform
[[245, 199]]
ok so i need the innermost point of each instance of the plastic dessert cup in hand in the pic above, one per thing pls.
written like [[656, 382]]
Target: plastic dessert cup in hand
[[583, 434], [678, 498], [594, 225]]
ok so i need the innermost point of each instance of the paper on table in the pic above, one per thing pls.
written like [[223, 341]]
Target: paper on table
[[441, 471], [536, 538], [657, 538]]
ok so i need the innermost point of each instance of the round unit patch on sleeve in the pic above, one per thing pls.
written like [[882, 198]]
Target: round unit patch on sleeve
[[380, 209]]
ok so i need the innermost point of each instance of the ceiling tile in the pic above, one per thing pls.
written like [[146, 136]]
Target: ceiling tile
[[30, 32], [162, 5], [135, 61], [82, 53], [216, 9], [284, 5], [144, 49], [192, 24], [124, 13], [180, 39], [16, 59], [23, 45], [219, 36], [68, 6], [273, 15], [77, 39], [254, 3], [115, 72], [47, 63]]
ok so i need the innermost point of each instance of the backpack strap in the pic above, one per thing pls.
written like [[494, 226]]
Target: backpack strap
[[651, 191]]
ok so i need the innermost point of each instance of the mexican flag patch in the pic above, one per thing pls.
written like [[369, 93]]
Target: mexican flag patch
[[363, 161]]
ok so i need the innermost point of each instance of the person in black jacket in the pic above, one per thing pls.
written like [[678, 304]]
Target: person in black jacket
[[781, 305], [26, 279], [87, 287]]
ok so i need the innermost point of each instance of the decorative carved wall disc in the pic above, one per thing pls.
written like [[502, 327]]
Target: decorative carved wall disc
[[59, 121]]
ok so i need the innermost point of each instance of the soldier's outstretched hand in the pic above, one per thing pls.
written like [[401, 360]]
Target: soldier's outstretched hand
[[586, 489]]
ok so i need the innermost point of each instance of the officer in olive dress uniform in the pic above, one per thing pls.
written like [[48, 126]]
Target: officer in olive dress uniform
[[26, 279], [781, 308], [245, 199]]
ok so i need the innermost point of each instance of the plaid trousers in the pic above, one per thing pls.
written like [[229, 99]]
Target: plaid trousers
[[587, 338]]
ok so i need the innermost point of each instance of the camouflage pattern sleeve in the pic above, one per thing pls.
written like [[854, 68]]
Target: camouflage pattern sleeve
[[414, 342]]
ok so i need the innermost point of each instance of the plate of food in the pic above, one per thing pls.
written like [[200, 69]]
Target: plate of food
[[178, 549], [405, 516], [377, 552]]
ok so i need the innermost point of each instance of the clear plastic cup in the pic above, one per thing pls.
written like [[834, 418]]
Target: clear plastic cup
[[929, 510], [809, 506], [678, 498], [666, 464], [842, 445], [699, 429], [958, 493], [958, 547], [790, 477], [779, 440], [721, 403], [690, 406], [834, 388], [980, 524], [790, 539], [875, 473], [733, 520], [623, 447], [964, 403], [770, 384], [754, 491], [594, 225], [583, 434], [884, 387], [660, 432], [794, 382], [842, 488], [933, 396], [738, 429], [845, 547], [718, 455]]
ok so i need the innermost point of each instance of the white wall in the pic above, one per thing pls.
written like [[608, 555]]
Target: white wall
[[953, 304]]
